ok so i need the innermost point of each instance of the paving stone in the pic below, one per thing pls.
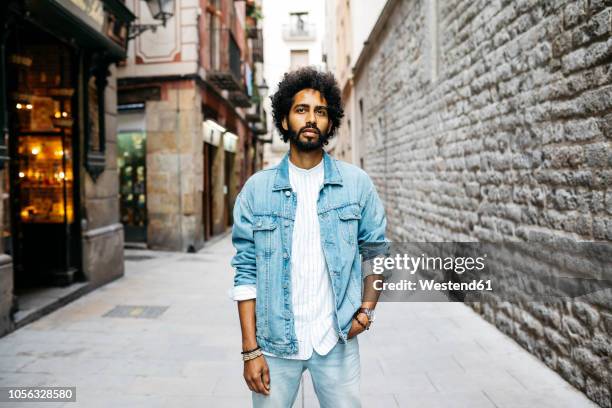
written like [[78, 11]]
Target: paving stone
[[417, 354]]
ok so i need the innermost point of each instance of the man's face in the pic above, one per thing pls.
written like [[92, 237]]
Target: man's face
[[308, 122]]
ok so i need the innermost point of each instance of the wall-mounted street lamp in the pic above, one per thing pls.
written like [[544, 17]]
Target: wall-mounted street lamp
[[161, 10]]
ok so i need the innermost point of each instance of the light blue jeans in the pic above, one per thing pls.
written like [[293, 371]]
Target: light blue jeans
[[335, 377]]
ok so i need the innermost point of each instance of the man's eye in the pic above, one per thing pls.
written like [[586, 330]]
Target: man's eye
[[322, 112], [300, 110]]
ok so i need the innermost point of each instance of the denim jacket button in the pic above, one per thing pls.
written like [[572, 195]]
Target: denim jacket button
[[287, 193], [286, 223], [285, 255]]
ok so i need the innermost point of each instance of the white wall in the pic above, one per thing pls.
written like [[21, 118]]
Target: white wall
[[277, 52], [329, 42], [158, 49]]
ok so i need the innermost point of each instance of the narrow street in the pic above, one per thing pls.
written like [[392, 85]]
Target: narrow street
[[184, 352]]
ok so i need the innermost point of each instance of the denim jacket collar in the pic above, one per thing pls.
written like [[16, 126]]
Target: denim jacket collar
[[330, 170]]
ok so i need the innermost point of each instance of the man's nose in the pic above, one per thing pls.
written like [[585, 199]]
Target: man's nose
[[310, 118]]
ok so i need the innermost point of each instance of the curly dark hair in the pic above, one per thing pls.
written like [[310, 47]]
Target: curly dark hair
[[303, 78]]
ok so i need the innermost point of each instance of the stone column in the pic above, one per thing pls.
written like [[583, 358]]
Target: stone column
[[175, 169]]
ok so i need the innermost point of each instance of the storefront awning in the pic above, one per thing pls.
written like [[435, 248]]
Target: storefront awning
[[94, 24], [212, 132]]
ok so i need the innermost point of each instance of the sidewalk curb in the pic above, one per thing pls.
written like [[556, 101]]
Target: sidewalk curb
[[80, 290]]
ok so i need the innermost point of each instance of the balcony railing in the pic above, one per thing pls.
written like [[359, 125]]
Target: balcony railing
[[225, 63], [261, 128], [240, 99], [299, 32], [255, 114], [257, 47]]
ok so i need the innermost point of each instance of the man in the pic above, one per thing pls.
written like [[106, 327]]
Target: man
[[299, 230]]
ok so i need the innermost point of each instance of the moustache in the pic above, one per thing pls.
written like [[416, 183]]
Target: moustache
[[311, 129]]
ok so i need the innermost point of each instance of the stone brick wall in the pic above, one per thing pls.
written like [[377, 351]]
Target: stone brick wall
[[102, 238], [496, 126], [176, 119], [6, 294]]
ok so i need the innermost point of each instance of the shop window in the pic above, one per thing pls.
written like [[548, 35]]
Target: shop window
[[42, 113], [41, 92]]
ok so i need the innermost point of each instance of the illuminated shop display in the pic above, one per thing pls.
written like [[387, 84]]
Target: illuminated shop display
[[45, 178], [43, 106]]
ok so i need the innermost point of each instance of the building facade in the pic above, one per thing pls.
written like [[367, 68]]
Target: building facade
[[347, 29], [58, 152], [189, 121], [294, 32], [490, 121]]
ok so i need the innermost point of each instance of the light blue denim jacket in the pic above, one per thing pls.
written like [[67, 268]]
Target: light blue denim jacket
[[352, 224]]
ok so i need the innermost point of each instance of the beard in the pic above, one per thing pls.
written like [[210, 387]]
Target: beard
[[309, 145]]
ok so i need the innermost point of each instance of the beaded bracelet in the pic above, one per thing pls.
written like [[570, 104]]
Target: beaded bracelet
[[254, 354]]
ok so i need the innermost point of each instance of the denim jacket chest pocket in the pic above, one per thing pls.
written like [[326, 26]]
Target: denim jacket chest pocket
[[265, 235], [348, 222]]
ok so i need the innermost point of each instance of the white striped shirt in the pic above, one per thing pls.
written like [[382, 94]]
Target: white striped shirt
[[311, 292]]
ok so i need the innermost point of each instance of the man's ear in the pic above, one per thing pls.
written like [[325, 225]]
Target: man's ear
[[284, 124]]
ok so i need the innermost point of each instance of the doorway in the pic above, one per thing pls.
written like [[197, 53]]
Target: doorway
[[44, 238], [131, 162], [207, 197], [228, 188]]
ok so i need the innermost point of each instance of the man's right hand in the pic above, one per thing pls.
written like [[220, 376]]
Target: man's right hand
[[257, 375]]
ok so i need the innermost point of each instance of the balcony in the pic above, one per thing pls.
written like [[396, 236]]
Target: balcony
[[225, 63], [255, 114], [261, 129], [299, 32], [240, 99], [257, 47], [251, 27]]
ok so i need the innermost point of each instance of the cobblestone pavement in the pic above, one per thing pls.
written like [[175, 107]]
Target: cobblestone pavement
[[416, 355]]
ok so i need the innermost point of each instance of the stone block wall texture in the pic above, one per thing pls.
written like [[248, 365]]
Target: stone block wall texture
[[508, 138], [6, 294], [174, 144], [100, 197], [102, 240]]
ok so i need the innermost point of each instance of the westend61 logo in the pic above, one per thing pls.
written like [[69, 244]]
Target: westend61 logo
[[413, 264], [473, 271]]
